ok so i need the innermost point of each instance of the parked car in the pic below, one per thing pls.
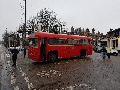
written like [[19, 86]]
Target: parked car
[[113, 51]]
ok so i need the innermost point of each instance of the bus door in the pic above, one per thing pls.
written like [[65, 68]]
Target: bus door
[[43, 49]]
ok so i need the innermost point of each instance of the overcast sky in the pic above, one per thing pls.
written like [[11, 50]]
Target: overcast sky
[[99, 14]]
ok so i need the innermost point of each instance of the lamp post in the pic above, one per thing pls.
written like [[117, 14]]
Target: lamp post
[[9, 38], [25, 23]]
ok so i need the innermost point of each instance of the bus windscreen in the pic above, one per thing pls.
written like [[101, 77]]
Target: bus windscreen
[[33, 42]]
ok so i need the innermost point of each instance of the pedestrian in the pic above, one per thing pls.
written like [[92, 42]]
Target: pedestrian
[[104, 51], [108, 52], [14, 52], [24, 51]]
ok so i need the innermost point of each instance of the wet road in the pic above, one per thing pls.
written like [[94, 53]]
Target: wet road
[[91, 73]]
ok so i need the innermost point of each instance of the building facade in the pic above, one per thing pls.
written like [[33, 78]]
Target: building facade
[[112, 39]]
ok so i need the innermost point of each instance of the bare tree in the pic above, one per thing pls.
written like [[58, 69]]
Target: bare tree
[[47, 21], [93, 31], [72, 30], [80, 31], [87, 32], [5, 37]]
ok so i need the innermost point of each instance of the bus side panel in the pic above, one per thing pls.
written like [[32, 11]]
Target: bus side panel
[[37, 54], [89, 49], [72, 51], [77, 50], [33, 54], [63, 51], [67, 51], [49, 48]]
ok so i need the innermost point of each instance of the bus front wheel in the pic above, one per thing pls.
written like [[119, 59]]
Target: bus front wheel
[[52, 57]]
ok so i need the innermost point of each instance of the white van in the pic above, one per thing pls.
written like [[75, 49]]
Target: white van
[[112, 51]]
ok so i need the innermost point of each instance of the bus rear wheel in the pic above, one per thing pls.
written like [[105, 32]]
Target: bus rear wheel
[[52, 57], [82, 54]]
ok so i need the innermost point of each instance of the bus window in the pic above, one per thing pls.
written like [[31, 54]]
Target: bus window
[[33, 42], [81, 41], [52, 41], [85, 41], [70, 42], [76, 42], [61, 42]]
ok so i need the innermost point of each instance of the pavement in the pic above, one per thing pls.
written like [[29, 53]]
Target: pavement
[[91, 73]]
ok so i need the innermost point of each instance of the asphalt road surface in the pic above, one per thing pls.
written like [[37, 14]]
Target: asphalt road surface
[[91, 73]]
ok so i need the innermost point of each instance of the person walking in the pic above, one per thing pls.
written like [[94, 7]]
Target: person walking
[[108, 52], [14, 55], [104, 51]]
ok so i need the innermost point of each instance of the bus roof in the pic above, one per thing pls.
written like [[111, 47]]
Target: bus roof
[[52, 35]]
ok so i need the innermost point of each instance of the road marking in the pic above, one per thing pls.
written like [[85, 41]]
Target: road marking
[[13, 79], [77, 85], [8, 78], [30, 85], [71, 87], [48, 73], [6, 72], [16, 88]]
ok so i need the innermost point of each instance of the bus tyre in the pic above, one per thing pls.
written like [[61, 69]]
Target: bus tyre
[[52, 57], [82, 54]]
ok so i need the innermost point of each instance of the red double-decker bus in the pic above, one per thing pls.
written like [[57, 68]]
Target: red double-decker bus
[[45, 46]]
